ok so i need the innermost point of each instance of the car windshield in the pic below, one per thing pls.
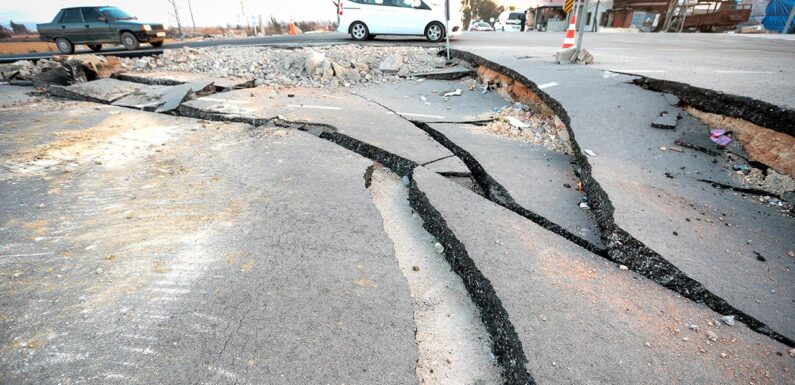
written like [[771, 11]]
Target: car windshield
[[115, 13], [514, 16], [482, 24]]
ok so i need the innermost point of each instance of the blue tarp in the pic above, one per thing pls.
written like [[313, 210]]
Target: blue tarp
[[776, 15]]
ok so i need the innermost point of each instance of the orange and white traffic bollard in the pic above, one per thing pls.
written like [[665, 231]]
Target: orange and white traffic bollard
[[570, 40], [293, 29]]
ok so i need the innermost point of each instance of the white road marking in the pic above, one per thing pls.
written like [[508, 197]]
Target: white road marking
[[315, 107], [746, 72], [146, 351], [417, 115], [209, 99], [547, 85], [25, 255], [639, 71]]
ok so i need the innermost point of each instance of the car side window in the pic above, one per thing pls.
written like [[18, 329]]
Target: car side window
[[71, 16], [91, 14]]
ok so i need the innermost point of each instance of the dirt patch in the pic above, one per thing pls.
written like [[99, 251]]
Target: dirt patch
[[528, 119], [18, 47], [764, 145]]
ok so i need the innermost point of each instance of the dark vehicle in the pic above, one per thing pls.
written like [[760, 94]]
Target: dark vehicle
[[94, 26]]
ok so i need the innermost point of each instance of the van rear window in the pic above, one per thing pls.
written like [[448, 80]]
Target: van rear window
[[514, 16]]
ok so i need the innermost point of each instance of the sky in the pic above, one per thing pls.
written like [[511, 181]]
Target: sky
[[205, 12]]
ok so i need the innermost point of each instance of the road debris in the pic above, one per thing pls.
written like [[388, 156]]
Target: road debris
[[327, 66], [590, 153], [456, 92], [719, 136], [666, 120]]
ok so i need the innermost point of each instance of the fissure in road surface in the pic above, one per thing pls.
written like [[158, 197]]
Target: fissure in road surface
[[453, 344], [621, 246]]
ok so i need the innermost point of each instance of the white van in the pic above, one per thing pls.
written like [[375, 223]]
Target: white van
[[509, 21], [364, 19]]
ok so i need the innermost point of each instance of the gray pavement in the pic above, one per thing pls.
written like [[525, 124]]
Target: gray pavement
[[532, 175], [348, 114], [424, 101], [141, 248], [711, 235], [581, 320]]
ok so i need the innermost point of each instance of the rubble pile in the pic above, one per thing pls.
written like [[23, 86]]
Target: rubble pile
[[520, 123], [61, 70], [331, 66]]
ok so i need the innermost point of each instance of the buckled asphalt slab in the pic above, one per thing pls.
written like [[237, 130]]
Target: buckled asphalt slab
[[424, 101], [581, 319], [532, 175], [140, 248], [348, 114], [711, 235], [104, 91], [170, 78]]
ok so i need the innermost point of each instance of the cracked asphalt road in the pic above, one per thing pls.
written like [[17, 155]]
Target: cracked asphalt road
[[381, 234]]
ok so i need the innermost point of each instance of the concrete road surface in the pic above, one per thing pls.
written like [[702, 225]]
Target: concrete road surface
[[525, 224]]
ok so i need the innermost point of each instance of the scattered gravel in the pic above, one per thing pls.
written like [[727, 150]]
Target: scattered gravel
[[327, 66], [516, 122]]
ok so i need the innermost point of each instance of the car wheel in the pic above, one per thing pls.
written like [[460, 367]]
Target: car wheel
[[129, 41], [434, 32], [95, 47], [359, 31], [156, 44], [65, 46]]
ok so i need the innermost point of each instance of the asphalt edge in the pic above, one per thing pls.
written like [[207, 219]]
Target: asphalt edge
[[505, 342], [777, 118], [622, 247]]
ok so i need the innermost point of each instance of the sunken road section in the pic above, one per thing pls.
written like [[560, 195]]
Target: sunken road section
[[621, 246]]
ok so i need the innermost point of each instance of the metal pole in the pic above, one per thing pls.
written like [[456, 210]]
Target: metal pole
[[581, 32], [447, 26], [596, 17], [789, 20], [191, 16]]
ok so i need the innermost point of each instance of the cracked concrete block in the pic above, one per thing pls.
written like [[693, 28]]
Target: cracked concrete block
[[584, 314], [170, 78], [391, 64]]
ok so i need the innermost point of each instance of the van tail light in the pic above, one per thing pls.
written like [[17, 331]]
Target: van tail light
[[340, 7]]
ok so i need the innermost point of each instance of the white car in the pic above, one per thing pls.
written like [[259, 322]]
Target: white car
[[509, 21], [364, 19]]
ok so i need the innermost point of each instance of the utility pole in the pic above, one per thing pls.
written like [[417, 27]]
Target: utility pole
[[245, 17], [176, 16], [190, 8], [596, 17], [580, 21]]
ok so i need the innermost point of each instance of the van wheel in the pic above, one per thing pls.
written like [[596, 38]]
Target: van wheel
[[130, 41], [65, 46], [95, 47], [359, 31], [434, 32]]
